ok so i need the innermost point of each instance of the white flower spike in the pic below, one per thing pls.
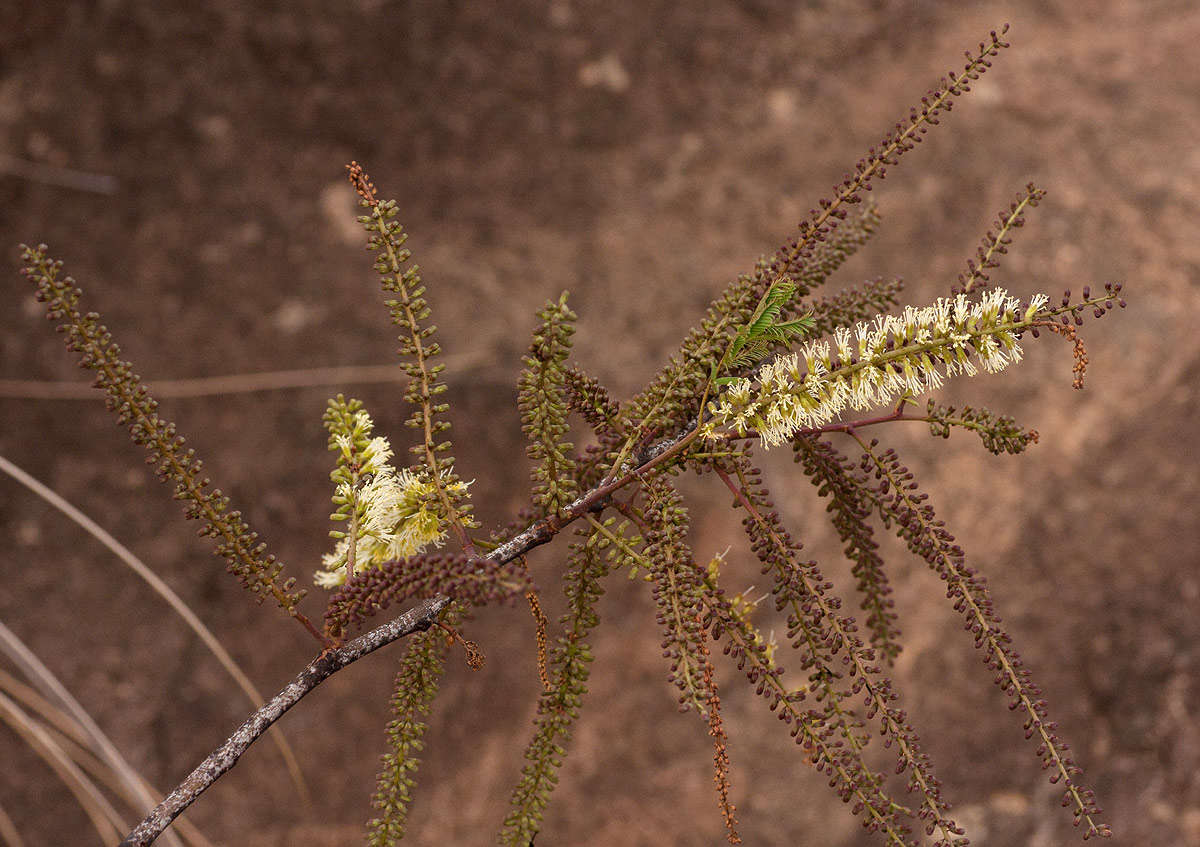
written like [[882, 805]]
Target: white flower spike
[[874, 364], [397, 512]]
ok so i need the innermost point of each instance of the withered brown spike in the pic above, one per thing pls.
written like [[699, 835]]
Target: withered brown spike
[[362, 183]]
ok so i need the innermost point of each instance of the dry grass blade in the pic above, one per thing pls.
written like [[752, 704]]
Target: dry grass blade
[[163, 590], [105, 819], [8, 830], [243, 383], [25, 658], [52, 716], [73, 741], [208, 386]]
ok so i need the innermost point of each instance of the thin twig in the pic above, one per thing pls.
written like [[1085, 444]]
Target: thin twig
[[105, 819], [207, 386], [418, 618]]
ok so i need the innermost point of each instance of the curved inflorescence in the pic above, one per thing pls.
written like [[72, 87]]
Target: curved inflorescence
[[874, 363]]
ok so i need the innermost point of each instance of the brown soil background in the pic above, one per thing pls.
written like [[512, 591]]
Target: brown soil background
[[639, 155]]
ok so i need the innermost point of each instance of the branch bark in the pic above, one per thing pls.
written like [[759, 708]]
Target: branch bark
[[221, 760], [419, 617]]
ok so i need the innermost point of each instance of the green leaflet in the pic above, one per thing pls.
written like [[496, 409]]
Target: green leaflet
[[761, 333]]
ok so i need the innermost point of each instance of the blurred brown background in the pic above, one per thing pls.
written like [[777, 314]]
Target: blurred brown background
[[639, 155]]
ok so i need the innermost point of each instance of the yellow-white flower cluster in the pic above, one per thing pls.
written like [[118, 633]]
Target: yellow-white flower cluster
[[399, 512], [874, 363]]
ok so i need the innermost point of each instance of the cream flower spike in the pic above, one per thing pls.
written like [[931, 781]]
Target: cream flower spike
[[875, 363], [397, 514]]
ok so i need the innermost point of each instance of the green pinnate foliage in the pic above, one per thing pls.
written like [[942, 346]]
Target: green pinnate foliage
[[762, 333], [416, 686], [127, 397], [765, 324], [999, 433], [541, 397]]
